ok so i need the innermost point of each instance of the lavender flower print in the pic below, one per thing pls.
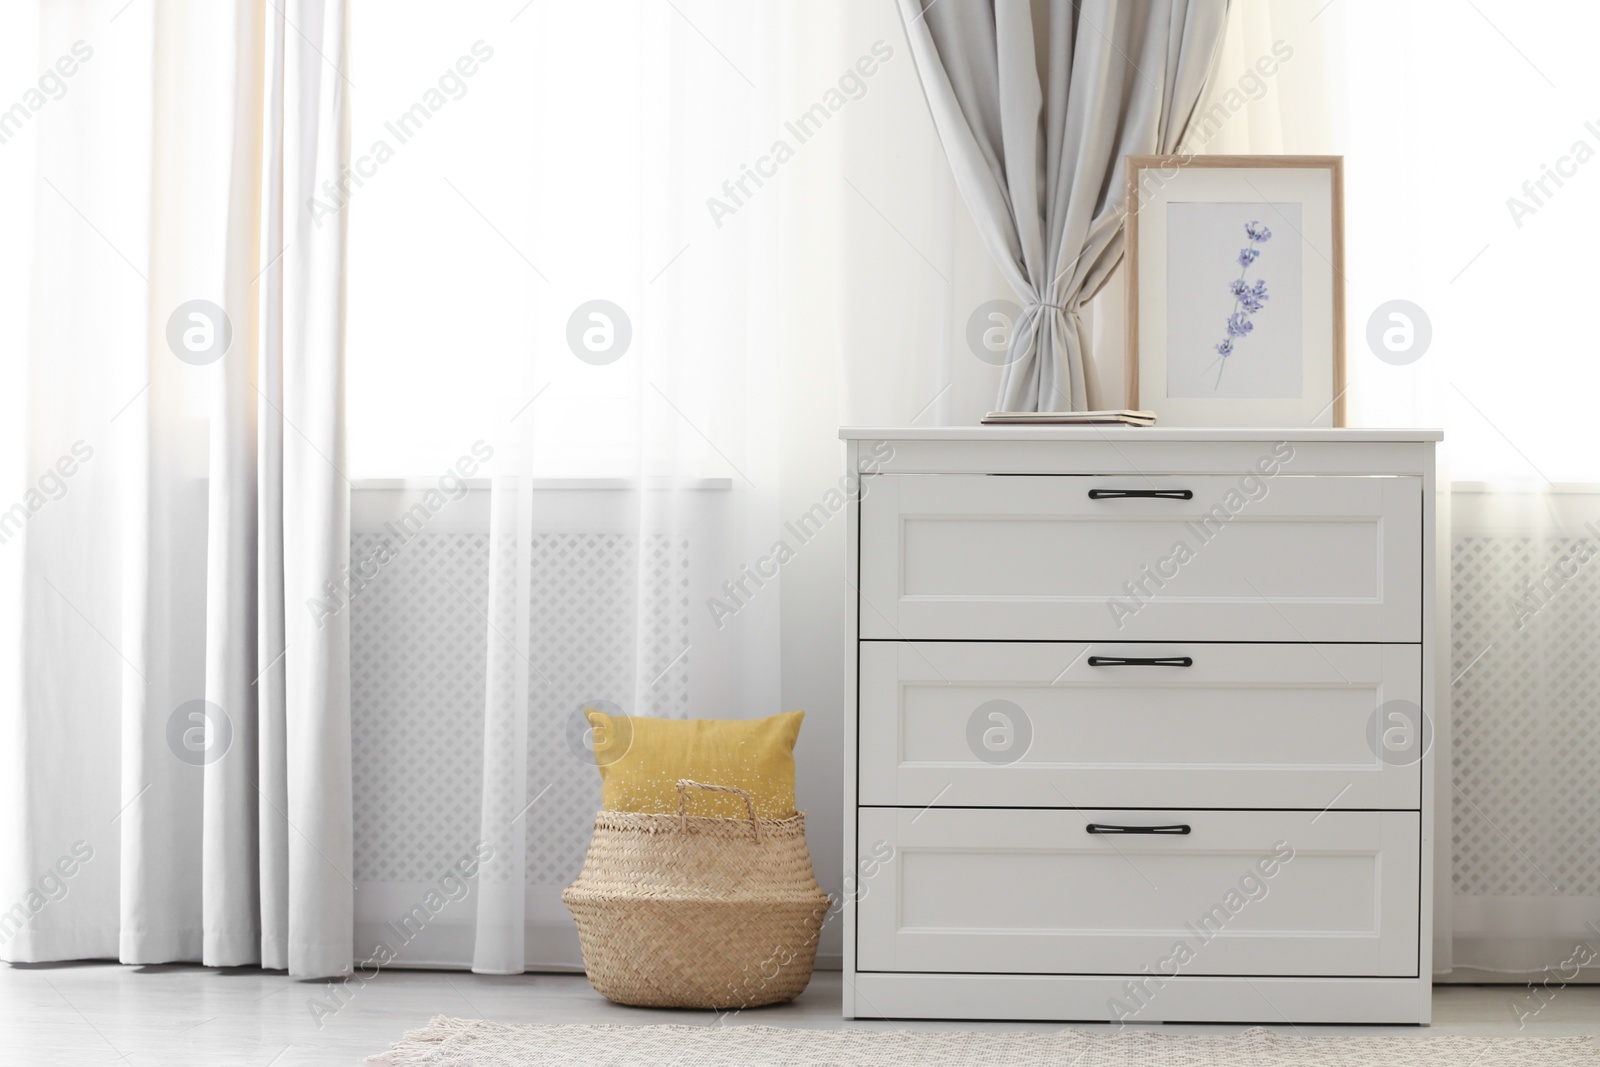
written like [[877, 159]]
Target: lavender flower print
[[1248, 298]]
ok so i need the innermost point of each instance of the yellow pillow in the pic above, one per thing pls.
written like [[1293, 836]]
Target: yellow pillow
[[641, 760]]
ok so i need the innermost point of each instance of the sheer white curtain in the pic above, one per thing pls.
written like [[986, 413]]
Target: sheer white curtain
[[175, 720], [578, 253], [915, 281], [1494, 248], [1488, 248], [652, 353], [760, 192]]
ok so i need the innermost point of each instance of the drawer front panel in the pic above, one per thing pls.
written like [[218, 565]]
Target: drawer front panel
[[1000, 724], [964, 556], [1243, 893]]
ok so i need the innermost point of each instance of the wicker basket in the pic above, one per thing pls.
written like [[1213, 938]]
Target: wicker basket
[[679, 911]]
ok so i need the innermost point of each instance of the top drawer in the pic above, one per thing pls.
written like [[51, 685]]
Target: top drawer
[[1068, 557]]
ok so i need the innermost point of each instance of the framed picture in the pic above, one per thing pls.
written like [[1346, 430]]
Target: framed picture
[[1235, 279]]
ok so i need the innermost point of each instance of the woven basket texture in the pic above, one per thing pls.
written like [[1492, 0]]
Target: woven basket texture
[[692, 912]]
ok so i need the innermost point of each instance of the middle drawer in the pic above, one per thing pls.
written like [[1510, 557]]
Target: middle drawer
[[1059, 725]]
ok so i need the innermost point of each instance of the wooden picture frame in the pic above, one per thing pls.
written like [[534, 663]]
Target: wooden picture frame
[[1184, 337]]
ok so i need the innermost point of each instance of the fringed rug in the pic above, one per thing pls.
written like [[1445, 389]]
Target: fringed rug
[[448, 1041]]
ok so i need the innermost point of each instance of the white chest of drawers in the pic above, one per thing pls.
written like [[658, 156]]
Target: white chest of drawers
[[1138, 725]]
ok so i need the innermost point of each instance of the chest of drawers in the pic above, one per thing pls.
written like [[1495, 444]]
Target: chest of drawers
[[1138, 725]]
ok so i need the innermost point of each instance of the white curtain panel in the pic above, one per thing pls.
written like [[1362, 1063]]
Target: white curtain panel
[[612, 217], [176, 707], [1037, 104], [1517, 889], [637, 502], [1470, 257], [899, 285]]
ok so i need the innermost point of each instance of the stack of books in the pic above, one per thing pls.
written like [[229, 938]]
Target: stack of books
[[1124, 417]]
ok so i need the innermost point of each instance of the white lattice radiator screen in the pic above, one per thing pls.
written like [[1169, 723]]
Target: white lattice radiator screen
[[1525, 761], [417, 689], [1524, 786], [418, 653], [1526, 758]]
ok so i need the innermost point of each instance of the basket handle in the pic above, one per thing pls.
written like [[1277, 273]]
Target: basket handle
[[749, 802]]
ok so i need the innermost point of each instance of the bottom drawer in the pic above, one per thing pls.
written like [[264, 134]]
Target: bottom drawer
[[1259, 893]]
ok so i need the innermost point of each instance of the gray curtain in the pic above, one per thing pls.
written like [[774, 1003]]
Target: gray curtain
[[1036, 103]]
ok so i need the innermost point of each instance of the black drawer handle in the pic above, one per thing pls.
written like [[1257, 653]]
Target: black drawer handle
[[1155, 494], [1104, 828], [1140, 661]]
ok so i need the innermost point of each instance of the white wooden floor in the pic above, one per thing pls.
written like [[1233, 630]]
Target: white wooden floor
[[87, 1014]]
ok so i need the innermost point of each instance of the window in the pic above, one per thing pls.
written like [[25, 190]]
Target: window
[[515, 166], [1473, 190]]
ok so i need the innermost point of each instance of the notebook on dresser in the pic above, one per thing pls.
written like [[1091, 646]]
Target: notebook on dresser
[[1124, 417]]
